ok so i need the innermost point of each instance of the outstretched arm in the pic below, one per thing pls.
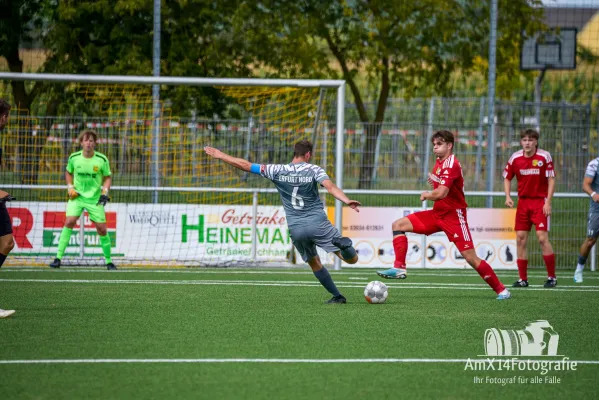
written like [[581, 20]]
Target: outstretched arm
[[339, 195], [240, 163]]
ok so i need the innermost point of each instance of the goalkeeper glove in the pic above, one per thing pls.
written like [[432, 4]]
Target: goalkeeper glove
[[73, 194], [7, 198], [103, 198]]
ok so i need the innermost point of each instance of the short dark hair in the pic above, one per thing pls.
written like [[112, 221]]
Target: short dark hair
[[4, 107], [445, 136], [302, 147], [530, 133], [86, 133]]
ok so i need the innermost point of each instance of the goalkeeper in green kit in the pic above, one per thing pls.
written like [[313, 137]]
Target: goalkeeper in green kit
[[88, 179]]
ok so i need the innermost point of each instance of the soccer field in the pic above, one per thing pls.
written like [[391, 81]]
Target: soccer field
[[266, 334]]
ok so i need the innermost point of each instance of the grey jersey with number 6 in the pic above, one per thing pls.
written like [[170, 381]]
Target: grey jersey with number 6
[[592, 171], [298, 187]]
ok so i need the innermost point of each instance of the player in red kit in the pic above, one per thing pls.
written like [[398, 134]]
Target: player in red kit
[[448, 215], [533, 168]]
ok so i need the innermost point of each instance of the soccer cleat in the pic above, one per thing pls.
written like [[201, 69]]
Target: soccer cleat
[[393, 273], [520, 283], [342, 242], [337, 300], [550, 282], [578, 277], [110, 267], [6, 313], [55, 263], [504, 295]]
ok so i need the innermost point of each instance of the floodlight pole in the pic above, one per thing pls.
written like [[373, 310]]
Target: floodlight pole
[[156, 103], [491, 160], [539, 98], [339, 134]]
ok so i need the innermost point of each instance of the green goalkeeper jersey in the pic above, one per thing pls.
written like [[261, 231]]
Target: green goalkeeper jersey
[[88, 174]]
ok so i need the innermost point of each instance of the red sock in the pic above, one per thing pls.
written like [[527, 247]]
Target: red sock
[[522, 267], [550, 264], [486, 272], [400, 246]]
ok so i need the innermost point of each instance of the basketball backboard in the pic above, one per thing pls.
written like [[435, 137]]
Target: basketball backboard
[[555, 49]]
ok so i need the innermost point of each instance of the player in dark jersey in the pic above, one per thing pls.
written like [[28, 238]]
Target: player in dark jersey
[[7, 242], [297, 184], [533, 168], [448, 215]]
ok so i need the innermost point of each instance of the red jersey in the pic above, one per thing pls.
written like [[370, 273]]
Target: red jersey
[[533, 173], [448, 173]]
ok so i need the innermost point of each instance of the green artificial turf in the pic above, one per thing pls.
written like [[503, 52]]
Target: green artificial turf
[[267, 334]]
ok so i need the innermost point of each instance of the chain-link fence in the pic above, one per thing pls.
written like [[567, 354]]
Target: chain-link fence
[[402, 155], [399, 157]]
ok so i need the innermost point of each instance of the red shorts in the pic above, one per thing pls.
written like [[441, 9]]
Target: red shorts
[[453, 222], [529, 212]]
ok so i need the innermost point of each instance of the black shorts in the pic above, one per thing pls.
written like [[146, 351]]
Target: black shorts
[[5, 221]]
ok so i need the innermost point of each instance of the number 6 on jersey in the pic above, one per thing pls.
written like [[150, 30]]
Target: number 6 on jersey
[[297, 201]]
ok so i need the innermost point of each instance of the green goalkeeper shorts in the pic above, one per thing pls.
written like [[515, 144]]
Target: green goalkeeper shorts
[[96, 212]]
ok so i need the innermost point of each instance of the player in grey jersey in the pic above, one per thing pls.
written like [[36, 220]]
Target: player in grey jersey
[[309, 226], [590, 185]]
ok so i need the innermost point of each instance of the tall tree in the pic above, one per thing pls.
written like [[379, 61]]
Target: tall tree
[[408, 46], [21, 24], [115, 37]]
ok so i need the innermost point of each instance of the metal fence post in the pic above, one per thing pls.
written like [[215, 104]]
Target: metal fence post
[[248, 144], [254, 225], [479, 147], [340, 132], [377, 150], [156, 102], [491, 119], [429, 134]]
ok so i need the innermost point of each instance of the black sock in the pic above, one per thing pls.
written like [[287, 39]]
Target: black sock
[[325, 280], [2, 258], [581, 260]]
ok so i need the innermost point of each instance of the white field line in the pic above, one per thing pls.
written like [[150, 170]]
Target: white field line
[[248, 271], [421, 285], [273, 360], [394, 283]]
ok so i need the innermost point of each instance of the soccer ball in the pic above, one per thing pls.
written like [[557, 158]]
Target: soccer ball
[[376, 292]]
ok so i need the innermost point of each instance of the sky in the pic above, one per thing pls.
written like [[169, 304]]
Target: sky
[[572, 3]]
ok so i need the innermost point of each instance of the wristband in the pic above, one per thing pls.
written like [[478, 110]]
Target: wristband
[[70, 186], [104, 190], [255, 169], [592, 194]]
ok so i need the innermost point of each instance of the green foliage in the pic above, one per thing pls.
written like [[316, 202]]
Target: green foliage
[[400, 47], [114, 37]]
